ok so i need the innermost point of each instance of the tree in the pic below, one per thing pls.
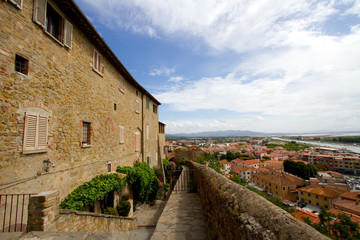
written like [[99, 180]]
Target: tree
[[300, 169]]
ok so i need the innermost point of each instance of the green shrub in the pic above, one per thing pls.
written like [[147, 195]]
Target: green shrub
[[111, 211], [123, 208], [92, 191], [143, 179]]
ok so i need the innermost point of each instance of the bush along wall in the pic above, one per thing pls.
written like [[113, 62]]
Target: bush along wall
[[144, 181], [92, 191]]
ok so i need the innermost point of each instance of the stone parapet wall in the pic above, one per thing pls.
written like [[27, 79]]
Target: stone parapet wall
[[44, 215], [75, 221], [234, 212]]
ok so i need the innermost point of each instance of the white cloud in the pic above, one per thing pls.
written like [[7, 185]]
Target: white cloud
[[162, 71], [176, 79], [314, 84], [292, 75]]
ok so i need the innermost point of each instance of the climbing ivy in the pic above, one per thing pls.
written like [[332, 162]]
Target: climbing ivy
[[143, 179], [92, 191]]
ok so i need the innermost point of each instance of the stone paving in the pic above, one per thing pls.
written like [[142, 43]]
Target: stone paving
[[182, 218]]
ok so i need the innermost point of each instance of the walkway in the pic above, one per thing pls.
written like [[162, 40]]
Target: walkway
[[182, 218]]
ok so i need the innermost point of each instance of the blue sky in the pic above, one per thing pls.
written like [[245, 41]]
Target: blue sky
[[259, 65]]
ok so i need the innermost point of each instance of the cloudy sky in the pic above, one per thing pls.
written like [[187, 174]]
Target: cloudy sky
[[259, 65]]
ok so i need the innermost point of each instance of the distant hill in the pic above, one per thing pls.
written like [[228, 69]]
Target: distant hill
[[227, 133], [239, 133]]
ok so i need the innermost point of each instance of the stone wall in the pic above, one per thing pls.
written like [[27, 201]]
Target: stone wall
[[234, 212], [62, 84], [44, 215], [74, 221]]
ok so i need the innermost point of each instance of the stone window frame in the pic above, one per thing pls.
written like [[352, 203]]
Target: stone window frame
[[17, 3], [122, 84], [97, 62], [137, 106], [40, 16], [21, 65], [122, 134], [137, 142], [147, 130], [86, 138], [35, 132], [155, 109]]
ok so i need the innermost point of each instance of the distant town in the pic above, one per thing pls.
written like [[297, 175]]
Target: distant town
[[301, 178]]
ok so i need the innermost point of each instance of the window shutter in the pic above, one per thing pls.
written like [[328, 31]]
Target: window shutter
[[122, 83], [95, 60], [147, 132], [137, 142], [17, 3], [122, 134], [39, 14], [137, 106], [68, 29], [30, 132], [42, 132]]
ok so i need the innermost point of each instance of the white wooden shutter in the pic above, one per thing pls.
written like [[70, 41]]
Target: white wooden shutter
[[39, 14], [122, 133], [137, 106], [30, 132], [137, 142], [122, 83], [68, 29], [147, 132], [42, 132], [17, 3], [95, 59]]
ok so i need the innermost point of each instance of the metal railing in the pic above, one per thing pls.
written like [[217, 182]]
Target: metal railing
[[186, 181], [13, 212]]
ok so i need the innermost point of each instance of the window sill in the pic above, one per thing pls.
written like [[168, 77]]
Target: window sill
[[95, 70], [54, 38], [34, 151], [86, 146]]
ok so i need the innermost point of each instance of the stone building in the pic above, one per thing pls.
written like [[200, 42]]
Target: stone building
[[281, 184], [69, 109]]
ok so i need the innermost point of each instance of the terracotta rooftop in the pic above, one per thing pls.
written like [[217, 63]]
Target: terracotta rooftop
[[301, 215], [322, 191]]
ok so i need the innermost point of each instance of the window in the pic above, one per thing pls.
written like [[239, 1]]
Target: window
[[21, 64], [325, 198], [86, 133], [16, 3], [114, 106], [97, 62], [147, 132], [109, 167], [122, 128], [283, 188], [317, 204], [155, 108], [148, 159], [35, 132], [317, 196], [309, 201], [53, 23], [147, 103], [326, 206], [308, 194], [122, 84], [137, 142], [137, 106]]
